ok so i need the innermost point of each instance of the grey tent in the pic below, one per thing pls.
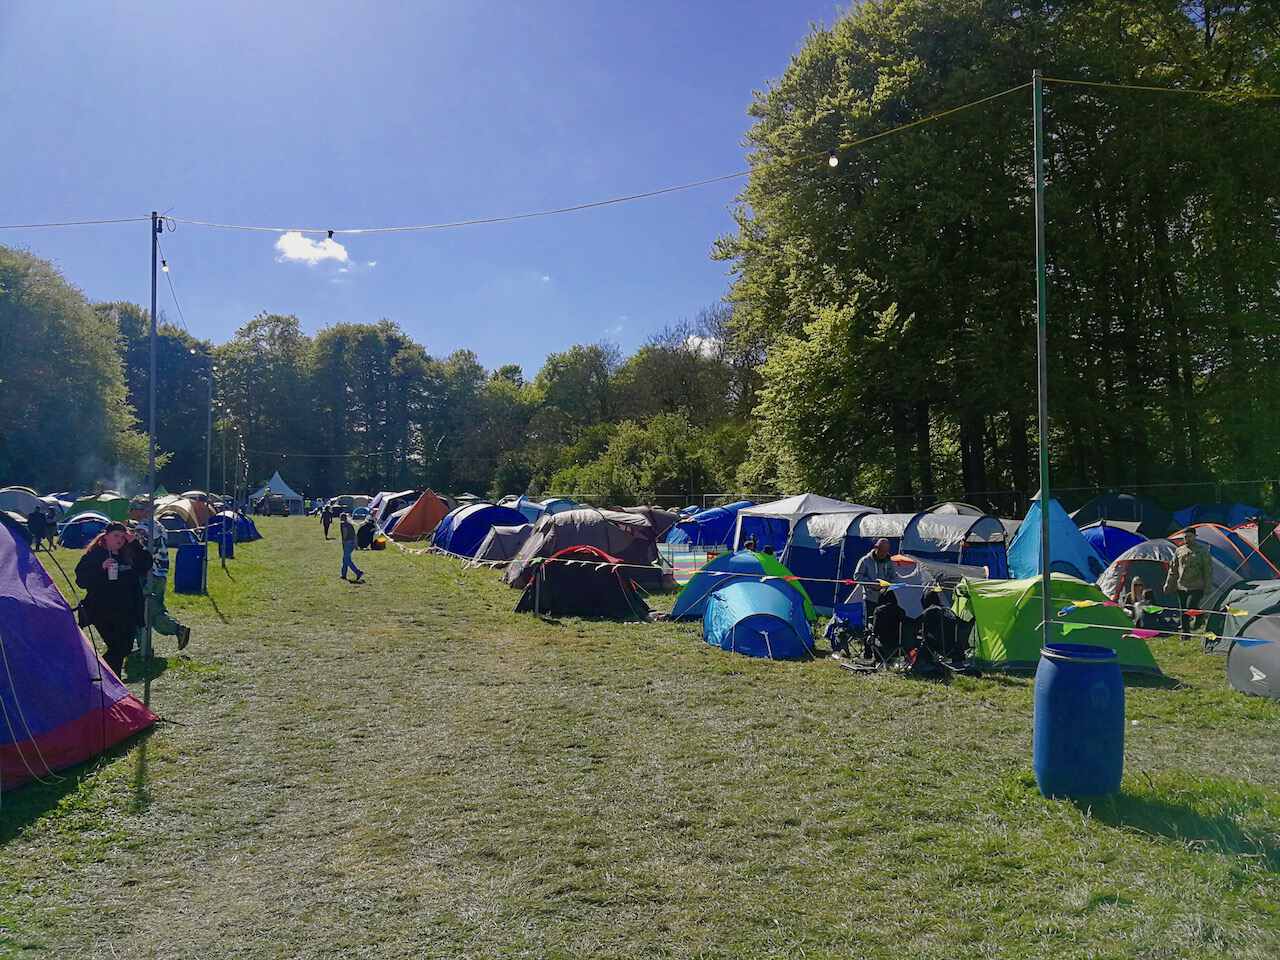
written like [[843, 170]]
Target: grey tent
[[502, 544], [627, 536]]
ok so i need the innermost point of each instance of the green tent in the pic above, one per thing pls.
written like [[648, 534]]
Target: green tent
[[1006, 615], [110, 505], [739, 565], [160, 492]]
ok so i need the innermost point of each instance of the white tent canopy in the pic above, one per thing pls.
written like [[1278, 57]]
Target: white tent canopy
[[794, 509], [277, 486]]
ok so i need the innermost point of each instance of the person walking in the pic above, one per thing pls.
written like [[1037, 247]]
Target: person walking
[[348, 534], [111, 576], [156, 581], [326, 518], [37, 527], [1190, 574]]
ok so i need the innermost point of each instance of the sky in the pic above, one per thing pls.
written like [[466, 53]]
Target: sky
[[336, 115]]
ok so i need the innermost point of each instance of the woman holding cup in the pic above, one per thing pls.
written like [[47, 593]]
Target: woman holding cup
[[112, 574]]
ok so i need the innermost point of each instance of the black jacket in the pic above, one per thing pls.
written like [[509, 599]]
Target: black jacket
[[117, 602]]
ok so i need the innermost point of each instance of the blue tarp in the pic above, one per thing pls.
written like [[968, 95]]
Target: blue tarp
[[464, 528], [1070, 552], [707, 528], [244, 528], [757, 620], [1111, 542]]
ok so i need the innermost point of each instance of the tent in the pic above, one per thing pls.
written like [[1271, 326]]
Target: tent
[[533, 510], [17, 523], [582, 581], [1070, 553], [757, 620], [62, 703], [1110, 540], [825, 547], [661, 519], [80, 529], [20, 500], [1256, 610], [243, 529], [463, 529], [1149, 562], [389, 501], [110, 505], [1224, 514], [193, 514], [502, 544], [707, 528], [1268, 544], [770, 524], [1233, 550], [730, 568], [1153, 520], [955, 508], [1006, 615], [977, 541], [276, 486], [626, 535], [417, 522]]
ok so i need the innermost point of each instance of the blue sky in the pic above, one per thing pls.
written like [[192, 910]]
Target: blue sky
[[364, 114]]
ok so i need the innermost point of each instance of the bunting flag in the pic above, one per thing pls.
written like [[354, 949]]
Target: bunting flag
[[884, 584], [1068, 609], [1195, 613], [1143, 634], [1153, 609], [1235, 612], [1070, 628]]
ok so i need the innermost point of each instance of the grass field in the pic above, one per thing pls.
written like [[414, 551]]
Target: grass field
[[408, 769]]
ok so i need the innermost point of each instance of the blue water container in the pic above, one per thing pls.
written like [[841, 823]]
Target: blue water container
[[188, 568], [226, 544], [1078, 741]]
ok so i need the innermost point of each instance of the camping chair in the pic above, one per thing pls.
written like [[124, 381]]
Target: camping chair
[[848, 625]]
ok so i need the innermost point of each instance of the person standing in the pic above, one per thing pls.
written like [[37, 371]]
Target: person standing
[[1190, 574], [326, 518], [874, 567], [37, 527], [157, 614], [111, 577], [348, 534]]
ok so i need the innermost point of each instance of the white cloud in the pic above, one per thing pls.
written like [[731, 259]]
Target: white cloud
[[293, 247], [703, 346], [546, 278], [371, 264]]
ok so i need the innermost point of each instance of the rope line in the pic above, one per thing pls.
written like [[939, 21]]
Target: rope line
[[71, 223], [1241, 94]]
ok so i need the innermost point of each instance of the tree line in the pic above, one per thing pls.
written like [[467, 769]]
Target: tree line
[[878, 339]]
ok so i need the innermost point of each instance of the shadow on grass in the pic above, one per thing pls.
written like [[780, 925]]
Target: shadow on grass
[[218, 610], [33, 800], [138, 669], [1215, 820]]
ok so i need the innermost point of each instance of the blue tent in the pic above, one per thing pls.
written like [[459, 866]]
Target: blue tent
[[464, 528], [757, 620], [824, 547], [707, 528], [690, 510], [1224, 514], [243, 528], [978, 541], [1070, 552], [80, 529], [1110, 541], [730, 568], [535, 509]]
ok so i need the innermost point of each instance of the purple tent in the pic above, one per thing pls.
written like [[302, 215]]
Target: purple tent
[[61, 703]]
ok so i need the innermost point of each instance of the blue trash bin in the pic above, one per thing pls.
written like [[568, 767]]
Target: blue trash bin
[[226, 545], [1078, 740], [188, 568]]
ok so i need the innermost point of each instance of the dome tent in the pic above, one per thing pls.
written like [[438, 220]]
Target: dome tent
[[1070, 552], [1152, 519], [502, 544], [463, 530], [582, 581], [770, 524], [707, 528], [727, 568], [625, 535], [1110, 540], [70, 705], [418, 520], [80, 529], [756, 620], [1233, 550]]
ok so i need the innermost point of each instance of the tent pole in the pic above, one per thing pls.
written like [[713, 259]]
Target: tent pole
[[1042, 360]]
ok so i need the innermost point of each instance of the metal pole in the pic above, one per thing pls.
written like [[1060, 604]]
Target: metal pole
[[151, 447], [208, 468], [1042, 359]]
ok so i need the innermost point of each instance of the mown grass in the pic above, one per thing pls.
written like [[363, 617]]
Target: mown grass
[[409, 769]]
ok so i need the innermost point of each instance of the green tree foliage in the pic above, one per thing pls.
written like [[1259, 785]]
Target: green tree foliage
[[60, 378], [1161, 241]]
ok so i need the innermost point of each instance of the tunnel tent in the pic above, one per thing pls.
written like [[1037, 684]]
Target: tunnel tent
[[1111, 539], [712, 527], [661, 519], [463, 529], [1007, 617], [72, 707], [82, 528], [956, 508], [728, 568], [1070, 552], [823, 548], [770, 524], [977, 541], [756, 620], [583, 581], [110, 505]]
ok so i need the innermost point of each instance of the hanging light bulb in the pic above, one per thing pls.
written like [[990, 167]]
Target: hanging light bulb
[[164, 265], [833, 161]]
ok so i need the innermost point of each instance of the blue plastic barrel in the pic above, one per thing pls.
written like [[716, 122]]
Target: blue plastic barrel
[[1078, 741], [188, 568], [226, 544]]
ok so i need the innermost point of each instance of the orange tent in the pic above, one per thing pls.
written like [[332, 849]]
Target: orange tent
[[417, 522]]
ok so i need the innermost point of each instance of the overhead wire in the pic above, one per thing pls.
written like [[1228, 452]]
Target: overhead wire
[[72, 223], [168, 275]]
